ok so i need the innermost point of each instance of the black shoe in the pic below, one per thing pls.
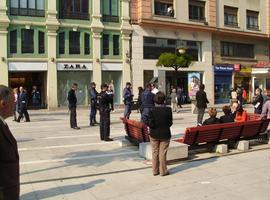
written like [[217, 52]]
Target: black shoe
[[92, 124], [108, 140], [95, 122], [76, 127]]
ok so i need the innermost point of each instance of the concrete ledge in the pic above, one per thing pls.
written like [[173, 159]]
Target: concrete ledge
[[125, 143], [176, 151], [243, 145], [221, 148]]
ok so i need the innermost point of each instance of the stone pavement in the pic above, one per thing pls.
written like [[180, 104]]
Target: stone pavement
[[61, 163]]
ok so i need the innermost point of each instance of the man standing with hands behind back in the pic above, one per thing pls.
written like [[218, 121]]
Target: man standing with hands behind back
[[9, 157]]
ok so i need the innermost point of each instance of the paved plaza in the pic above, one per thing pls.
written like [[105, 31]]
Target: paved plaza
[[57, 162]]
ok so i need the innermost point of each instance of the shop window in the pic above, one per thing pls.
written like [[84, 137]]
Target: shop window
[[110, 11], [62, 43], [86, 44], [41, 42], [13, 41], [164, 8], [74, 9], [74, 42], [27, 40], [197, 10], [34, 8], [237, 50], [106, 45], [230, 16], [116, 45], [252, 20]]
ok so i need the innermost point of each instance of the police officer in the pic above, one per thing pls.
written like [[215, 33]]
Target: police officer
[[104, 109], [147, 98], [22, 105], [128, 98], [93, 109], [72, 104]]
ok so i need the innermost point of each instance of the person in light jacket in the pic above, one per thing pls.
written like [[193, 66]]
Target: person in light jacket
[[160, 121]]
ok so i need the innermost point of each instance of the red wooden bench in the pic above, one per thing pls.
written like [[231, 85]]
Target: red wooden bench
[[137, 132], [219, 133]]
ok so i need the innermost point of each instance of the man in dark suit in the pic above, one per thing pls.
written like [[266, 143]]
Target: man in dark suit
[[72, 104], [202, 102], [22, 105], [93, 109], [9, 157]]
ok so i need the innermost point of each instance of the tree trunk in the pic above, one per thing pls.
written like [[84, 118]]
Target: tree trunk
[[175, 78]]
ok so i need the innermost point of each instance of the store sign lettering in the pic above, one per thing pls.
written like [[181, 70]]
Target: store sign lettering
[[74, 66], [223, 68]]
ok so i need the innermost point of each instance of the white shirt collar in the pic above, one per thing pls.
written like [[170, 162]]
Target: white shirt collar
[[2, 119]]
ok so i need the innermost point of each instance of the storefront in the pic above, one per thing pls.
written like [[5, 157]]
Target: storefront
[[261, 75], [69, 73], [112, 74], [223, 82], [27, 75], [242, 78]]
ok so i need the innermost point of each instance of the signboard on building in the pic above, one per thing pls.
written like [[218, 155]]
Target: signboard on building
[[194, 81], [74, 66], [224, 68], [27, 66]]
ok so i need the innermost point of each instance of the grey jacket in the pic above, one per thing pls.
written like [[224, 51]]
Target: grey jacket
[[266, 109]]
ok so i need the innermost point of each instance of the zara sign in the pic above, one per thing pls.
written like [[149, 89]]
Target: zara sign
[[74, 66]]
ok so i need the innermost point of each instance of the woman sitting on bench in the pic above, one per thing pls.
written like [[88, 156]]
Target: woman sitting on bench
[[213, 117], [228, 116], [241, 114]]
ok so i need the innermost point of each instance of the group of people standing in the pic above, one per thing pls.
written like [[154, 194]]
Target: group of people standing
[[102, 101]]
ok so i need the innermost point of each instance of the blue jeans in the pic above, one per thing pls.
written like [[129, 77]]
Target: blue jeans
[[127, 111]]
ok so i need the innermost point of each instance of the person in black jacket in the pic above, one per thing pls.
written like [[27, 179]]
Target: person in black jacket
[[9, 156], [258, 101], [202, 102], [213, 117], [228, 116], [22, 105], [128, 99], [72, 104], [160, 121], [93, 108], [105, 101]]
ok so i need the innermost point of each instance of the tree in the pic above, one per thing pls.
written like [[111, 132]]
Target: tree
[[174, 61]]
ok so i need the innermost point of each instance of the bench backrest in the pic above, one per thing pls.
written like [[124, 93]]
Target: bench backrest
[[136, 130], [228, 131], [252, 116]]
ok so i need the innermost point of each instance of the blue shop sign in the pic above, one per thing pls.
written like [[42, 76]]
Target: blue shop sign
[[224, 68]]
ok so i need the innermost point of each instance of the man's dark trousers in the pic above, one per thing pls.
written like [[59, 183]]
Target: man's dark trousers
[[127, 111], [73, 117], [93, 113], [104, 123], [200, 115]]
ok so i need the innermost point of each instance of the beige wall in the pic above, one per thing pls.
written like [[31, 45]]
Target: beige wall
[[139, 64], [261, 50]]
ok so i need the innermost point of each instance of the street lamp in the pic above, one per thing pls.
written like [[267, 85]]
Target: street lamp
[[182, 50], [181, 47]]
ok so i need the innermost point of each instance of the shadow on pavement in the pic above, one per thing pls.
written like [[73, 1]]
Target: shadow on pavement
[[54, 192]]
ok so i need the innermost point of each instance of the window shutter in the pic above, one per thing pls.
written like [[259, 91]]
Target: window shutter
[[114, 7], [106, 7]]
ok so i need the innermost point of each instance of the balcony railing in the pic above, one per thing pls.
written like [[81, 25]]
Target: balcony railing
[[27, 12], [74, 15], [74, 50], [164, 13], [196, 17], [110, 18], [253, 27], [230, 23]]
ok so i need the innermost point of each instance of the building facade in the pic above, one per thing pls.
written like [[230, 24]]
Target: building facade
[[52, 44], [231, 36]]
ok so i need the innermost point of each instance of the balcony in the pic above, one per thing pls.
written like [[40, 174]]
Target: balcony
[[231, 23], [164, 9], [27, 12], [74, 15], [197, 18], [110, 18], [253, 27]]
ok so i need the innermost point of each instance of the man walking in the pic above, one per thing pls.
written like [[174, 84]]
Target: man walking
[[72, 104], [104, 110], [266, 106], [128, 98], [147, 103], [22, 105], [202, 102], [93, 96], [9, 157]]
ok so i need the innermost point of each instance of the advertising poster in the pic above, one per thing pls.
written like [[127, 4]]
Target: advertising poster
[[194, 81]]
